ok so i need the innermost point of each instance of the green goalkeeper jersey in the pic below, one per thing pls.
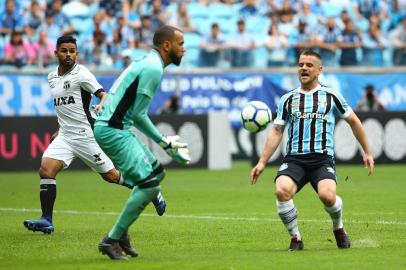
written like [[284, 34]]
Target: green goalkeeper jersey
[[128, 100]]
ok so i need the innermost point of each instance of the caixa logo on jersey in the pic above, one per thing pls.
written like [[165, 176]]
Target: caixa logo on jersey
[[64, 100]]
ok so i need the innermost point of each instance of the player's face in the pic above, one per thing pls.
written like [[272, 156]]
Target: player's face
[[309, 69], [66, 54], [177, 50]]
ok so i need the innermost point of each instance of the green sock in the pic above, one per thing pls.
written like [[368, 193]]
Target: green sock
[[139, 199]]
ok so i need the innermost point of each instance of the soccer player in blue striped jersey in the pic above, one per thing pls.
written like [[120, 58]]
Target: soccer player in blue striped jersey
[[309, 112]]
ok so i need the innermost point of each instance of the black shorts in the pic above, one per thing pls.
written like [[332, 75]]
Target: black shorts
[[308, 168]]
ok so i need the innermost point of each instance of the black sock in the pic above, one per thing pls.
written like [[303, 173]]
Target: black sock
[[47, 196]]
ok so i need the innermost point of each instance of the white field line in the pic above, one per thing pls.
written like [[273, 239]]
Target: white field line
[[207, 217]]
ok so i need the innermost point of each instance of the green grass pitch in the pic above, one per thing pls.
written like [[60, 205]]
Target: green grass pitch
[[214, 220]]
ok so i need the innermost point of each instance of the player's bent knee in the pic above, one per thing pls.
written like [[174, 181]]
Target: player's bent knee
[[328, 197], [44, 172], [49, 169], [283, 194], [285, 188]]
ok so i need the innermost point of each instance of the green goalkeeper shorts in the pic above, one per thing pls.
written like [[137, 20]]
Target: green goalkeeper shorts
[[127, 152]]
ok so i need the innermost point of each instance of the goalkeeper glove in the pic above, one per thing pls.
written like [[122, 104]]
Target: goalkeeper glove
[[176, 149]]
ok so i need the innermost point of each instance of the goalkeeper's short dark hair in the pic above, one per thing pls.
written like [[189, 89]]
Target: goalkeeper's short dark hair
[[164, 33], [65, 39]]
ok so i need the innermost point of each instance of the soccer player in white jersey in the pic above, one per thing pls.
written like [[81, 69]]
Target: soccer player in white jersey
[[72, 87]]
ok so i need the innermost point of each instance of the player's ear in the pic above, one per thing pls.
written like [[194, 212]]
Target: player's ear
[[166, 45]]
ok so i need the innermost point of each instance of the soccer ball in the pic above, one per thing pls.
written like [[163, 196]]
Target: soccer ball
[[255, 116]]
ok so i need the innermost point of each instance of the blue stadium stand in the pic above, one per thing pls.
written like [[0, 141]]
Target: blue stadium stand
[[192, 46]]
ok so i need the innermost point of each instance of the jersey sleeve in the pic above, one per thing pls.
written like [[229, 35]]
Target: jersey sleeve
[[341, 107], [88, 81], [282, 114], [150, 78], [141, 118]]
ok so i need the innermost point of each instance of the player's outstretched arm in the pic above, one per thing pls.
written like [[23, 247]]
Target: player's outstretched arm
[[360, 134], [97, 108], [273, 140]]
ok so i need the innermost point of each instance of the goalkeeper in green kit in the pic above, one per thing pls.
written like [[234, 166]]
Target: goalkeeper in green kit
[[126, 106]]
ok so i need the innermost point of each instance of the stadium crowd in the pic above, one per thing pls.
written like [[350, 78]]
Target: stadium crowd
[[218, 33]]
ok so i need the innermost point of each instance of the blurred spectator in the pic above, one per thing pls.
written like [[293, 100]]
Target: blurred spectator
[[349, 41], [211, 48], [112, 7], [108, 23], [77, 8], [344, 17], [306, 15], [181, 19], [375, 21], [50, 27], [327, 42], [361, 22], [98, 34], [159, 15], [171, 106], [96, 53], [125, 60], [18, 52], [33, 19], [267, 7], [288, 6], [398, 38], [277, 45], [286, 25], [249, 8], [366, 7], [302, 39], [124, 33], [43, 50], [370, 101], [373, 45], [241, 45], [10, 19], [60, 18], [123, 39], [131, 10], [145, 33]]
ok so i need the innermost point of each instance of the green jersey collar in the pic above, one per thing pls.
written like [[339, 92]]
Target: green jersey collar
[[155, 51]]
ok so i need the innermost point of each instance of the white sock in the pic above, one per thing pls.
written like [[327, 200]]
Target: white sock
[[288, 214], [336, 213]]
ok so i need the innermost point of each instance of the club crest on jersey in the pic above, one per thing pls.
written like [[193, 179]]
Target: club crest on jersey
[[295, 105], [322, 103], [64, 101], [66, 84]]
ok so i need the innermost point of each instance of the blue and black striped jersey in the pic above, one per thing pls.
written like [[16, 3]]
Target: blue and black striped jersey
[[310, 117]]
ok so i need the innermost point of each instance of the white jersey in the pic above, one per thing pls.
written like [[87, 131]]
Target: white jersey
[[72, 94]]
